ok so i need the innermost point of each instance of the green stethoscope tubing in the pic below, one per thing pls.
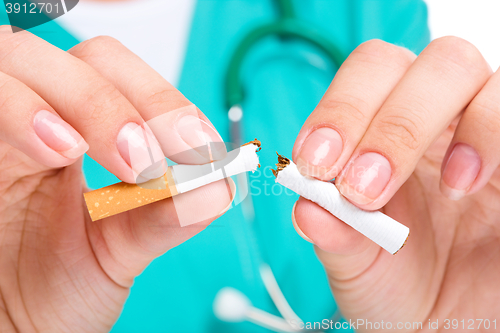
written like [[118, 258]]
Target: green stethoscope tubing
[[288, 25]]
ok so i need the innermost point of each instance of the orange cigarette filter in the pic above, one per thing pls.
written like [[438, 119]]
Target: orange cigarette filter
[[122, 197]]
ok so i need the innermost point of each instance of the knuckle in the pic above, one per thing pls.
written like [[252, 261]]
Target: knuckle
[[374, 46], [458, 51], [7, 34], [102, 42], [404, 56], [161, 96], [95, 47], [98, 99], [402, 131], [9, 91], [11, 42], [347, 107], [103, 39], [164, 97], [5, 28], [485, 113], [378, 51], [12, 88]]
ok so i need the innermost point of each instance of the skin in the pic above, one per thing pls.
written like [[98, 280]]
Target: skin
[[450, 265], [61, 272]]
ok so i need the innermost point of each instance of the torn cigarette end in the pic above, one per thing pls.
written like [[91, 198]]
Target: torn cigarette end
[[254, 142], [282, 163], [380, 228], [122, 197]]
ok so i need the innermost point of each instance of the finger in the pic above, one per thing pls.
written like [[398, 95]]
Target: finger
[[83, 98], [474, 153], [334, 237], [29, 124], [334, 129], [437, 87], [183, 130], [124, 247]]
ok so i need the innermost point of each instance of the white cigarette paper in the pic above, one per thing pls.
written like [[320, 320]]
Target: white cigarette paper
[[380, 228], [189, 177]]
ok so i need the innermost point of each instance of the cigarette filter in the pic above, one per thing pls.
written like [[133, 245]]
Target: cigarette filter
[[380, 228], [122, 197]]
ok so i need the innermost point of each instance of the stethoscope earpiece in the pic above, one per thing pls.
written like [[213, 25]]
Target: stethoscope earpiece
[[231, 305]]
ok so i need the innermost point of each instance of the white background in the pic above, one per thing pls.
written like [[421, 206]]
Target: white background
[[477, 21]]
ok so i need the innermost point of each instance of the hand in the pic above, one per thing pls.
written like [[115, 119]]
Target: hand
[[59, 271], [393, 130]]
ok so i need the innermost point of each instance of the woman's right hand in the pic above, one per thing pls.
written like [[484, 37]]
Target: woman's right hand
[[59, 271]]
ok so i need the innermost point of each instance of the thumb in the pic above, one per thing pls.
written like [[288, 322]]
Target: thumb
[[367, 281], [344, 252]]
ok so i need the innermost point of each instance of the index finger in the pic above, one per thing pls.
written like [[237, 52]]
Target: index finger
[[185, 134], [78, 93], [360, 87]]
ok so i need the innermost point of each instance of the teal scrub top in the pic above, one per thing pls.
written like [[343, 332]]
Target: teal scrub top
[[283, 80]]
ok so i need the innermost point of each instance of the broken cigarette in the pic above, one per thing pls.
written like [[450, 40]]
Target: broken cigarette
[[122, 197], [380, 228]]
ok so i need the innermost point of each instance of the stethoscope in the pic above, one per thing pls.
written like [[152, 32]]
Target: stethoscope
[[230, 304]]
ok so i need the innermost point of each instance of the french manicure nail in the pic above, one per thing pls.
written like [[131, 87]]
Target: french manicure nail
[[232, 189], [59, 135], [366, 179], [460, 171], [201, 136], [319, 152], [141, 151]]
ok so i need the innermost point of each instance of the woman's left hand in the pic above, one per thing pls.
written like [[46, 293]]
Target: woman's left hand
[[405, 134]]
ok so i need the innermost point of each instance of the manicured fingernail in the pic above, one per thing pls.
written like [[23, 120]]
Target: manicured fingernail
[[297, 229], [319, 152], [366, 179], [460, 171], [202, 137], [232, 189], [140, 149], [59, 135]]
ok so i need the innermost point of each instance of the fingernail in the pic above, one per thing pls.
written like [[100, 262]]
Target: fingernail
[[460, 171], [297, 229], [232, 188], [319, 152], [59, 135], [202, 137], [141, 151], [366, 179]]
